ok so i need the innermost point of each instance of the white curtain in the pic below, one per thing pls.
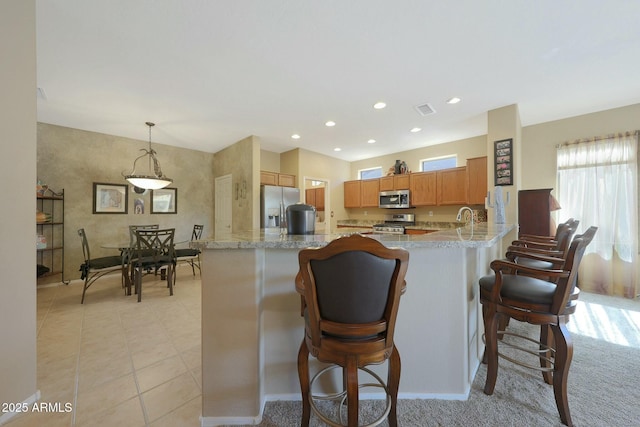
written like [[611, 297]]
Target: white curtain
[[597, 184]]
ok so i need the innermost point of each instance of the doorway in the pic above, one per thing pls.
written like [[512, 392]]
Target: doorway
[[223, 208], [316, 193]]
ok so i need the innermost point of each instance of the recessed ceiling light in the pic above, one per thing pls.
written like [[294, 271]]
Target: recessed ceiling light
[[454, 100], [330, 123], [371, 141], [414, 130], [295, 136], [379, 105], [337, 149]]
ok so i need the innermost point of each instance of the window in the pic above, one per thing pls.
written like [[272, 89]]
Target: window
[[597, 184], [370, 173], [437, 163]]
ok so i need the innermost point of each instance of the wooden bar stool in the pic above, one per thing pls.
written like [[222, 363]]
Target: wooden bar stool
[[350, 297]]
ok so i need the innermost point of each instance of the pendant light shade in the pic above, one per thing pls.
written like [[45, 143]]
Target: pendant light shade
[[153, 179]]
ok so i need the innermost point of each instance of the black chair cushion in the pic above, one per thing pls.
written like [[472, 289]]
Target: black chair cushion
[[353, 295], [100, 263], [521, 288], [186, 252], [153, 261]]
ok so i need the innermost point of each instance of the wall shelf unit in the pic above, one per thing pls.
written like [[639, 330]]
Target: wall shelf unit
[[50, 237]]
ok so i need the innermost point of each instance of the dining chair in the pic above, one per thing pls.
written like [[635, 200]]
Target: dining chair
[[350, 292], [540, 297], [128, 253], [190, 255], [94, 268], [154, 250]]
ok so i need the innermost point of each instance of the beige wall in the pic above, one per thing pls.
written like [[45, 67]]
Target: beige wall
[[242, 161], [73, 159], [464, 149], [332, 170], [17, 228], [269, 161], [539, 141]]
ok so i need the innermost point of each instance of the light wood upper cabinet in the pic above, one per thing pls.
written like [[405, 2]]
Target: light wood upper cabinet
[[286, 180], [310, 196], [386, 183], [401, 182], [452, 186], [275, 178], [268, 178], [370, 193], [477, 180], [394, 182], [320, 199], [423, 188], [352, 194], [315, 197]]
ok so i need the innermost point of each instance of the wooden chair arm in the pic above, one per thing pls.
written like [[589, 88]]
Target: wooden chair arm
[[536, 251], [536, 238], [501, 265], [511, 255], [532, 244]]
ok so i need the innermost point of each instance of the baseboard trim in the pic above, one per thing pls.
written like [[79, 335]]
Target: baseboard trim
[[229, 421], [4, 418]]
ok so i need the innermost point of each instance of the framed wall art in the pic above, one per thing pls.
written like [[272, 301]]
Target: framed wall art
[[110, 198], [164, 201], [504, 162]]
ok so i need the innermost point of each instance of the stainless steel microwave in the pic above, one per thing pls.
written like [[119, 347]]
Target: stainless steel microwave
[[394, 199]]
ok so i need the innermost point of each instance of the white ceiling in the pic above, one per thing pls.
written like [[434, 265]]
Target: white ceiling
[[211, 72]]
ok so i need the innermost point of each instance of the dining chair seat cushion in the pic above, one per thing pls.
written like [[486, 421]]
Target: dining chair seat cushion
[[521, 288], [186, 252], [100, 263], [153, 261]]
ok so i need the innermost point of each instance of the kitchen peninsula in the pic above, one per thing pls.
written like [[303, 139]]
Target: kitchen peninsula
[[252, 328]]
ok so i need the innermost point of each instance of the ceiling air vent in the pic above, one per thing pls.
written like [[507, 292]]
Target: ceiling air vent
[[425, 109]]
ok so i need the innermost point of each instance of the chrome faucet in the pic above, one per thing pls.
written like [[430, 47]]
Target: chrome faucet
[[462, 209]]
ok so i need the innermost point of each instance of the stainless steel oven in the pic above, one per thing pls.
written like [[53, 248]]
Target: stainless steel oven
[[394, 224]]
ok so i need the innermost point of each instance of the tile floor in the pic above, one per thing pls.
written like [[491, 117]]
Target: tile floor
[[116, 361]]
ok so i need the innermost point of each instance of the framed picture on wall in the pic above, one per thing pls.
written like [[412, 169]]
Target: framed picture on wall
[[110, 198], [504, 162], [164, 201]]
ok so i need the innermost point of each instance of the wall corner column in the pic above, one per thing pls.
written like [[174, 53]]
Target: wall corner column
[[504, 123]]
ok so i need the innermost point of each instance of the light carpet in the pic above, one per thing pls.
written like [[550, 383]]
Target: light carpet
[[604, 381]]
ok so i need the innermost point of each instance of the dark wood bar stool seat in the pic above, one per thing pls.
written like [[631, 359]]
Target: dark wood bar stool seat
[[539, 297], [350, 297]]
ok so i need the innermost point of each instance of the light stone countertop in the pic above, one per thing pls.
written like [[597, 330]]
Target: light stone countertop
[[482, 235]]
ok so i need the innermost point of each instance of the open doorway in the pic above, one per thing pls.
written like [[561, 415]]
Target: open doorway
[[316, 193]]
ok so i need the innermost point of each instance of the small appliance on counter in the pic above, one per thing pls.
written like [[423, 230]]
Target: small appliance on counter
[[395, 223], [301, 219]]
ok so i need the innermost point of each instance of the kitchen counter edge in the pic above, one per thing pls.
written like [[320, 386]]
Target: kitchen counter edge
[[480, 236]]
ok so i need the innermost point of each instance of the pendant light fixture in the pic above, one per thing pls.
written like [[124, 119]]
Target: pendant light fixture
[[154, 179]]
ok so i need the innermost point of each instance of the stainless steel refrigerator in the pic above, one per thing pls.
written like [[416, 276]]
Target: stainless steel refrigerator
[[273, 204]]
